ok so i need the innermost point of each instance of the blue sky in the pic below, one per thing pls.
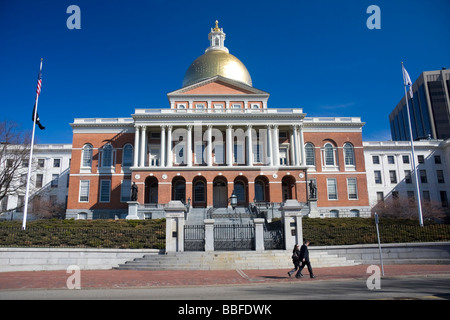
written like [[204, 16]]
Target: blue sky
[[315, 55]]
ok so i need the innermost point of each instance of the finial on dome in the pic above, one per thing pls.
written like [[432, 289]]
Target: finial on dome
[[217, 26]]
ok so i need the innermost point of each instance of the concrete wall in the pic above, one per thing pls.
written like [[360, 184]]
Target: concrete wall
[[394, 253], [39, 259]]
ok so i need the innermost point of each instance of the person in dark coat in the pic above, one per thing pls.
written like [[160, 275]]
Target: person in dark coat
[[295, 259], [304, 259]]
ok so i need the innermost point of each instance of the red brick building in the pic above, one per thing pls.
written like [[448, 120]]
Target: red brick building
[[218, 136]]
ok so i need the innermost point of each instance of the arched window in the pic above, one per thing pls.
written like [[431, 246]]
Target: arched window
[[259, 190], [354, 213], [107, 155], [330, 159], [309, 154], [239, 191], [127, 156], [349, 154], [199, 192], [334, 213], [86, 156]]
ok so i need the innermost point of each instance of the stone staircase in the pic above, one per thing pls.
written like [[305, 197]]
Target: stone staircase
[[230, 260]]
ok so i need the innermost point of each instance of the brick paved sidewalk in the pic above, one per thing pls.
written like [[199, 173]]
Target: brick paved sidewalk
[[134, 278]]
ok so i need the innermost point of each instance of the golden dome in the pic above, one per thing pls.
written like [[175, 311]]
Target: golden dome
[[216, 62]]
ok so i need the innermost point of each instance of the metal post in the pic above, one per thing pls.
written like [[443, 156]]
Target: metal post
[[379, 244]]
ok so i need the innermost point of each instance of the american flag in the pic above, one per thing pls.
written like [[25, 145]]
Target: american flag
[[39, 82], [38, 92]]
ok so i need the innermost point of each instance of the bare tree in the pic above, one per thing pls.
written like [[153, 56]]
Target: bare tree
[[14, 157], [407, 209]]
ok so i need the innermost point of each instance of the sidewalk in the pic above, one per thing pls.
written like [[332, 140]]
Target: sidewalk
[[134, 279]]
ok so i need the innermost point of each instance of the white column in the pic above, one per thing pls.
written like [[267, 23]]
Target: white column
[[229, 145], [143, 143], [292, 146], [136, 146], [276, 147], [209, 146], [296, 143], [249, 146], [269, 145], [162, 152], [189, 146], [302, 146], [169, 147]]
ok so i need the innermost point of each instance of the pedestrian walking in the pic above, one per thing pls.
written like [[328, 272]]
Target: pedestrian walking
[[295, 259], [304, 259]]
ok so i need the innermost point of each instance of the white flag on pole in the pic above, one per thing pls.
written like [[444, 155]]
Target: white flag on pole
[[407, 81]]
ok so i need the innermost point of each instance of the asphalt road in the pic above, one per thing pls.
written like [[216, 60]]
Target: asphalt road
[[436, 287]]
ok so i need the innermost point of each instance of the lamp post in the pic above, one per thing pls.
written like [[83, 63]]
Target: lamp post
[[233, 200]]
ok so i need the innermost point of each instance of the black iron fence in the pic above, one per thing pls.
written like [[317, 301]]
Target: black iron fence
[[194, 237], [368, 235], [153, 238], [234, 237]]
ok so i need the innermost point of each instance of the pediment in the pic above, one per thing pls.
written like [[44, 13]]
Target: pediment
[[218, 86]]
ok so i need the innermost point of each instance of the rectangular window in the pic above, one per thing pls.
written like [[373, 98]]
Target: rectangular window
[[20, 203], [405, 159], [423, 176], [39, 180], [391, 160], [257, 152], [332, 189], [283, 156], [41, 163], [219, 154], [420, 159], [437, 159], [56, 163], [444, 199], [426, 195], [380, 196], [410, 195], [125, 190], [377, 174], [375, 159], [440, 176], [408, 176], [84, 191], [105, 190], [25, 163], [199, 150], [238, 154], [55, 178], [393, 176], [352, 189]]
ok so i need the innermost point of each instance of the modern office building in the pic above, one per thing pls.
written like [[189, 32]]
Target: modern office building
[[429, 109], [217, 137]]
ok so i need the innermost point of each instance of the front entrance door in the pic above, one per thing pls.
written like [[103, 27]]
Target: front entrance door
[[220, 194]]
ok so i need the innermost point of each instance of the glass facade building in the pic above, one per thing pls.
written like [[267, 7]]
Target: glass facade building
[[429, 109]]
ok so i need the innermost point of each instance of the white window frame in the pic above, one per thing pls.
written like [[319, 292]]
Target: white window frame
[[86, 186], [329, 191], [350, 185], [125, 190], [86, 158], [125, 147], [102, 187], [330, 167]]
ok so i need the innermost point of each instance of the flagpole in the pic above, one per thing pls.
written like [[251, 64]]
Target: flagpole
[[30, 161], [419, 202]]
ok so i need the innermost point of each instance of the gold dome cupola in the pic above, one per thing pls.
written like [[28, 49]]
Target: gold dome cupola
[[216, 61]]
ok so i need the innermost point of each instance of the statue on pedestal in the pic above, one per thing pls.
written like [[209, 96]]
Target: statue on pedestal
[[312, 190], [134, 192]]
